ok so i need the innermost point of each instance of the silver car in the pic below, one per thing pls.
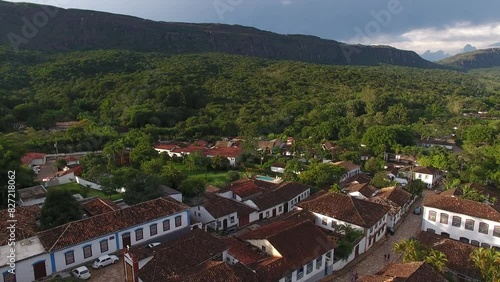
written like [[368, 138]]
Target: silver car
[[104, 260]]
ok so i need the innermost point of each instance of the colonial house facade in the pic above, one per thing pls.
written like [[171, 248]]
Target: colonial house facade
[[398, 199], [82, 241], [428, 175], [467, 221], [332, 210], [284, 251], [220, 213]]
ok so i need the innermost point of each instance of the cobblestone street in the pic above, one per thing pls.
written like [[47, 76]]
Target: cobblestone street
[[373, 260]]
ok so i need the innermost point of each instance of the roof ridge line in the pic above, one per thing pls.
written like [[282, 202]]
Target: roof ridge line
[[60, 236]]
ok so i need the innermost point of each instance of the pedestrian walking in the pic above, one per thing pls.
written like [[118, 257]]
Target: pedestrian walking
[[388, 256]]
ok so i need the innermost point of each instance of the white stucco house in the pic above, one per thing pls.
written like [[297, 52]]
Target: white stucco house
[[220, 213], [332, 210], [32, 196], [283, 251], [467, 221], [33, 159], [75, 243], [428, 175], [350, 168], [278, 168], [398, 200]]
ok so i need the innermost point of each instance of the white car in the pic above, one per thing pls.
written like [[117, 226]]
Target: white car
[[104, 260], [151, 245], [81, 272]]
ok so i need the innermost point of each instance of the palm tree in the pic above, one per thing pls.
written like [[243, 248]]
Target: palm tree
[[487, 260], [411, 249], [437, 259]]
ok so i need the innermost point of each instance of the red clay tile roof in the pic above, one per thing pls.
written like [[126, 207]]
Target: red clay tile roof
[[244, 252], [26, 226], [456, 252], [166, 146], [177, 258], [408, 272], [425, 170], [345, 208], [212, 189], [96, 226], [219, 271], [273, 269], [99, 206], [347, 165], [394, 208], [467, 207], [219, 206], [228, 152], [245, 188], [365, 189], [396, 195], [283, 193], [28, 157], [293, 240], [359, 178]]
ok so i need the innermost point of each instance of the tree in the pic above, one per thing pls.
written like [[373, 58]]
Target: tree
[[172, 176], [196, 160], [108, 186], [233, 176], [220, 163], [416, 187], [94, 167], [154, 166], [61, 163], [346, 244], [451, 183], [142, 188], [321, 175], [480, 135], [411, 249], [380, 180], [335, 188], [472, 194], [374, 165], [436, 259], [143, 152], [379, 138], [60, 207], [192, 187], [487, 260]]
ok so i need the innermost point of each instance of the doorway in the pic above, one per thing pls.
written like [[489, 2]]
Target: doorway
[[126, 240], [39, 270]]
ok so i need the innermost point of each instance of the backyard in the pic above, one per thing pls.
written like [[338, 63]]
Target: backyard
[[76, 188], [215, 178]]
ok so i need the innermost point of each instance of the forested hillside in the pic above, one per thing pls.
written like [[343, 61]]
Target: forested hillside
[[224, 95], [480, 59]]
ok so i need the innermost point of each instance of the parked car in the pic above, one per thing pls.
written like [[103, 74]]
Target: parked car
[[104, 260], [81, 272], [151, 245], [417, 210]]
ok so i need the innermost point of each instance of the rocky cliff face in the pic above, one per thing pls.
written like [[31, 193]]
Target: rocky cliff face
[[479, 59], [29, 26]]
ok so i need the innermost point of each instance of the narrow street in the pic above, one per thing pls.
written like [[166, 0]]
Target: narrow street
[[373, 260]]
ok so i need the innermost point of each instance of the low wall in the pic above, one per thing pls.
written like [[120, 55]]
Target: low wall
[[86, 183]]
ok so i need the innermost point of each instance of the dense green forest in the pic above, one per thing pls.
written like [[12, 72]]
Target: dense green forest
[[138, 98]]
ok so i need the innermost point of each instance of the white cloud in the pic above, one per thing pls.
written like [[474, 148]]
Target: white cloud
[[286, 2], [450, 39]]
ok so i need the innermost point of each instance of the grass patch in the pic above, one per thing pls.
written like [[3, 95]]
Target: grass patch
[[215, 178], [76, 188]]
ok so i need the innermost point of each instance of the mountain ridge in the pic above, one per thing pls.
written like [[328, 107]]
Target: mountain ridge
[[59, 30], [479, 59]]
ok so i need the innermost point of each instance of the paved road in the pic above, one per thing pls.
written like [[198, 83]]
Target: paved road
[[374, 260]]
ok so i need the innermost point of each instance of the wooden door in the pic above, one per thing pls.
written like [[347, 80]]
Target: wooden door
[[39, 270], [126, 240]]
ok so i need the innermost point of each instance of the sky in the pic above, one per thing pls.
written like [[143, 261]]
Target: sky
[[418, 25]]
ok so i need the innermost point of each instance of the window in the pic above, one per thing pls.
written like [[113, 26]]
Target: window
[[319, 262], [104, 246], [371, 230], [334, 225], [309, 267], [328, 256], [9, 277], [457, 221], [87, 251], [267, 213], [432, 216], [474, 243], [232, 219], [484, 245], [263, 248], [300, 273], [280, 209], [288, 278], [469, 224], [166, 225], [443, 218], [139, 234], [70, 257], [430, 230], [178, 221], [323, 221], [483, 227], [153, 229], [496, 231]]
